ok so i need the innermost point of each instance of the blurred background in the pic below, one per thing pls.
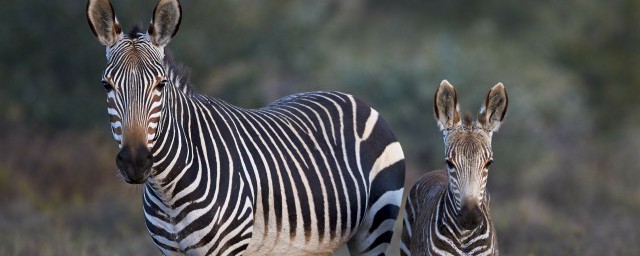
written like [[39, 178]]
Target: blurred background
[[565, 180]]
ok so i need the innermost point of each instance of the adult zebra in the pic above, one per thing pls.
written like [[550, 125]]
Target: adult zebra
[[303, 175], [447, 211]]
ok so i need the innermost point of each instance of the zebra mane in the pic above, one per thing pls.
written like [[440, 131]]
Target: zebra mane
[[136, 31], [178, 74], [467, 120]]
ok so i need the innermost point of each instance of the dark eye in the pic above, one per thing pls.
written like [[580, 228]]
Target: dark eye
[[450, 164], [489, 163], [107, 86], [161, 85]]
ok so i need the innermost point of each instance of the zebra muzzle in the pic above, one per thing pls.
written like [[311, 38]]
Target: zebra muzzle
[[470, 215], [134, 164]]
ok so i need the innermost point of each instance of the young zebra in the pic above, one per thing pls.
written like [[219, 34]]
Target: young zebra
[[304, 175], [447, 212]]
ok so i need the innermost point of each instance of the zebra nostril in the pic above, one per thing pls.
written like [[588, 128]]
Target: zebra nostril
[[144, 158], [143, 153], [123, 155]]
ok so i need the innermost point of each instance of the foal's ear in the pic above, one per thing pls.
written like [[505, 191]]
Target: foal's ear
[[445, 105], [103, 22], [494, 109], [165, 22]]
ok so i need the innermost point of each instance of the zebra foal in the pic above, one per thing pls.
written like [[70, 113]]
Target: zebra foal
[[302, 176], [447, 211]]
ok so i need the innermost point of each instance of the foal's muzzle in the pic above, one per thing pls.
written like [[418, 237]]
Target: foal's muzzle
[[470, 215], [134, 164]]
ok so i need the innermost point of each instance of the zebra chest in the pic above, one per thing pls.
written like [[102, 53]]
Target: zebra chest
[[446, 239], [206, 227]]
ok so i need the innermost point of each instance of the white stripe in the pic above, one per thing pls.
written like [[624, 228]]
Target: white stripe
[[112, 111], [391, 155], [371, 121]]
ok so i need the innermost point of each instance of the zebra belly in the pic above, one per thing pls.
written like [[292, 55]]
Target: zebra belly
[[268, 240]]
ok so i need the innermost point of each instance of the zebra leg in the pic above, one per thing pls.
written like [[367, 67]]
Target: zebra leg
[[376, 230]]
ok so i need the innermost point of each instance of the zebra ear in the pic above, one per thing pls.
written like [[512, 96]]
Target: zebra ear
[[494, 109], [103, 22], [445, 105], [165, 22]]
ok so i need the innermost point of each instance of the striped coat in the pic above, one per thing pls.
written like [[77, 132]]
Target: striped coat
[[302, 172]]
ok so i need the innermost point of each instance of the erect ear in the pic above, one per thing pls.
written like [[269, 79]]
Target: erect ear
[[165, 22], [445, 105], [494, 109], [103, 22]]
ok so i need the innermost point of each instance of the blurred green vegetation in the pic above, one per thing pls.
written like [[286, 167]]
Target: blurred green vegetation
[[566, 172]]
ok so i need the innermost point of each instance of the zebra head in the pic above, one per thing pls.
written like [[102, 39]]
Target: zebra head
[[134, 79], [468, 151]]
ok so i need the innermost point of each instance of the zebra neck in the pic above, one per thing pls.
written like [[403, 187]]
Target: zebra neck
[[173, 156]]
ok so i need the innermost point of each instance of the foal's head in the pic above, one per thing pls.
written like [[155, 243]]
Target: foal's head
[[467, 145]]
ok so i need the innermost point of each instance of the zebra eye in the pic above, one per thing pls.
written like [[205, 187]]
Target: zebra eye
[[161, 85], [450, 164], [489, 163], [107, 86]]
